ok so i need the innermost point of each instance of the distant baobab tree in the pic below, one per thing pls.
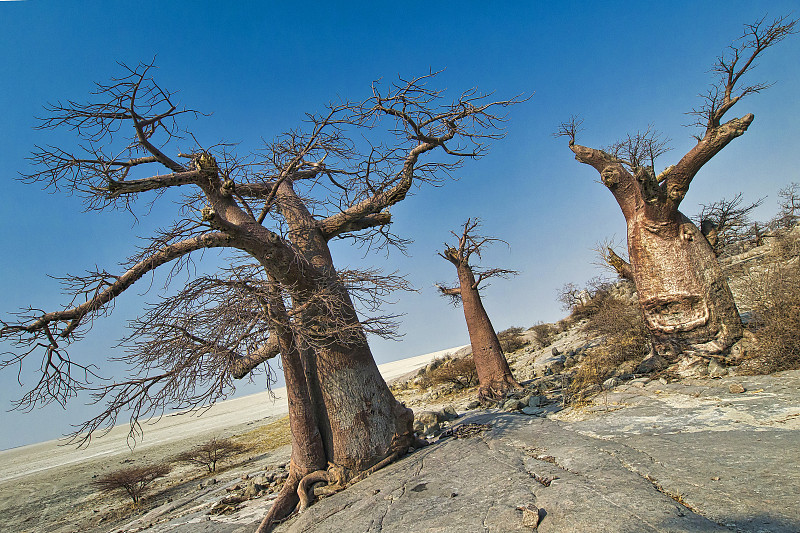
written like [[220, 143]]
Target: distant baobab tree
[[494, 375], [684, 296]]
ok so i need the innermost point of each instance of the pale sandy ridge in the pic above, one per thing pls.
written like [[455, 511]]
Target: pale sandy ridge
[[33, 458]]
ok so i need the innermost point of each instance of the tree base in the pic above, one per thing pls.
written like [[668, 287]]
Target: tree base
[[296, 495], [498, 389]]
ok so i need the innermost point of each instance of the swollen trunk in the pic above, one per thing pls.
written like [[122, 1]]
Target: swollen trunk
[[684, 295]]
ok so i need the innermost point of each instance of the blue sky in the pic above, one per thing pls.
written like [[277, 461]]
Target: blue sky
[[258, 67]]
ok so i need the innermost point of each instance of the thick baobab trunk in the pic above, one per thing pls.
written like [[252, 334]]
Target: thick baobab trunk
[[494, 374], [344, 420], [363, 423], [684, 295], [308, 452], [360, 421]]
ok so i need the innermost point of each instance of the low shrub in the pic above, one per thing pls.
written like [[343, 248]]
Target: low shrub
[[133, 480], [210, 453], [460, 371], [626, 342], [774, 298], [511, 339], [544, 333], [585, 302]]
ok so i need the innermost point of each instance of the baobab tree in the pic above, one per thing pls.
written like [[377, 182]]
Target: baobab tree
[[276, 210], [684, 296], [494, 375]]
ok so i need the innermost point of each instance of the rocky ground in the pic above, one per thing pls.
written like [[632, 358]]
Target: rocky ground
[[693, 448], [696, 454], [647, 456]]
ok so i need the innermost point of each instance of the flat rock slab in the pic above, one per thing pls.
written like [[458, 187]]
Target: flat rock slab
[[484, 482], [686, 456], [733, 457], [646, 457]]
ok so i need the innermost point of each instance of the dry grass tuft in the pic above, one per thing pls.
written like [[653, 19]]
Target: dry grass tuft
[[267, 437]]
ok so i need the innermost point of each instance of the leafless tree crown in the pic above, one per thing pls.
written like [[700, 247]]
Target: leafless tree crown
[[627, 167], [739, 59], [470, 243], [340, 170]]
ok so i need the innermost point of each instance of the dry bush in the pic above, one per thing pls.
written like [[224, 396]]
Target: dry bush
[[584, 302], [774, 298], [544, 333], [727, 225], [133, 480], [210, 453], [789, 204], [563, 325], [511, 339], [626, 343], [460, 372]]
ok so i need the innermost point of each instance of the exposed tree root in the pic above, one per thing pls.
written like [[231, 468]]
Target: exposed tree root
[[295, 495], [497, 390], [285, 504], [304, 486], [390, 459]]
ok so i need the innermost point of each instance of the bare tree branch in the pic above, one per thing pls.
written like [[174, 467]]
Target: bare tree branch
[[731, 66], [469, 243], [334, 177]]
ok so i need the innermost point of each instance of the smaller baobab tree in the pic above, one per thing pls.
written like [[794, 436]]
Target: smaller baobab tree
[[494, 375], [685, 298]]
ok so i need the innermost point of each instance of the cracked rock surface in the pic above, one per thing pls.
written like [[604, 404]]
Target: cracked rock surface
[[683, 457], [645, 456]]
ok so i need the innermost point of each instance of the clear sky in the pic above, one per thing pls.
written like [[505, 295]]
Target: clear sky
[[259, 66]]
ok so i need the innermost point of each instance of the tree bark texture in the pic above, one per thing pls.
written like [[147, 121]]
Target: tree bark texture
[[494, 374], [684, 296], [344, 419], [360, 421]]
